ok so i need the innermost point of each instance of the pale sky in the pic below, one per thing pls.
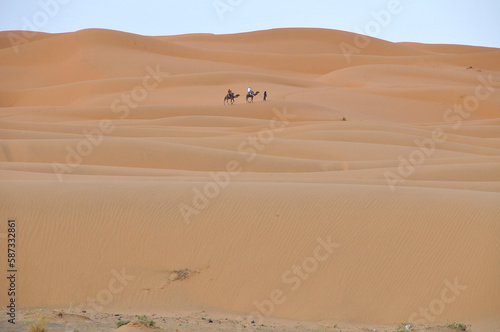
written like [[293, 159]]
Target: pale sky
[[470, 22]]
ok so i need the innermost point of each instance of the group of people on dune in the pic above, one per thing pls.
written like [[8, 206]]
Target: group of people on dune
[[231, 96]]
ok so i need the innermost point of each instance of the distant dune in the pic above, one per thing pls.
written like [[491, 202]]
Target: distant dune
[[365, 189]]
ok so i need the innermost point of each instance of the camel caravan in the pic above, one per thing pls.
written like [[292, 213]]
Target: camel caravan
[[230, 96]]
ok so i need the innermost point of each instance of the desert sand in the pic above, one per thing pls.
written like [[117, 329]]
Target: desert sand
[[365, 190]]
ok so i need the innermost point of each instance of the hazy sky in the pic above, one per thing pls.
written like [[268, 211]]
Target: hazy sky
[[471, 22]]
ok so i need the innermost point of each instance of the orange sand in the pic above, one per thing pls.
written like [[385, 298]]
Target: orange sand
[[407, 187]]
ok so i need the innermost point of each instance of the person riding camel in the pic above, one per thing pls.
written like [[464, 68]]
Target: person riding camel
[[230, 93], [250, 92]]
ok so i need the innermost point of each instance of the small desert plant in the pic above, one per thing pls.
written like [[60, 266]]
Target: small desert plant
[[122, 322], [402, 326], [38, 325], [344, 119], [144, 320], [457, 326], [182, 274], [139, 322]]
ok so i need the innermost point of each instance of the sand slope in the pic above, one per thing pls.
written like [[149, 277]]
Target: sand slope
[[133, 185]]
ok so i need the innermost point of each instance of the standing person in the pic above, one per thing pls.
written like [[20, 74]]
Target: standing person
[[265, 95]]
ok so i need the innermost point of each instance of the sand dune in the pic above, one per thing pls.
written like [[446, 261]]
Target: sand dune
[[364, 189]]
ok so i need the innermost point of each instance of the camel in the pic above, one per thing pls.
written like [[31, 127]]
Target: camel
[[250, 96], [230, 100]]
